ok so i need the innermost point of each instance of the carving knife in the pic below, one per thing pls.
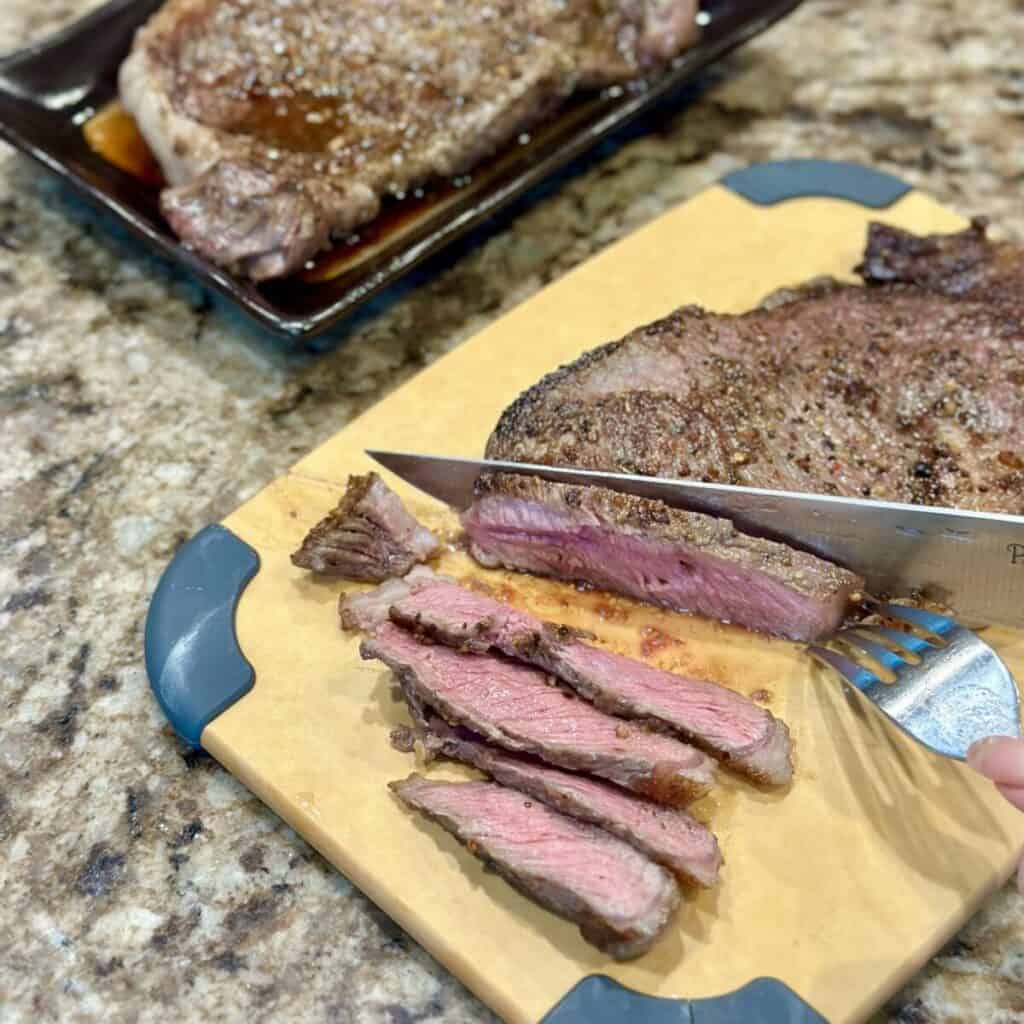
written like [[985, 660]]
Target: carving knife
[[970, 561]]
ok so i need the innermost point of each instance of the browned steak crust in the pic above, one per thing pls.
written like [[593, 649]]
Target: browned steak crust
[[908, 392], [368, 536]]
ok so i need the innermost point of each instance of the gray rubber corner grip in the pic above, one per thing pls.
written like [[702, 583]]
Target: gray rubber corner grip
[[600, 1000], [195, 666], [777, 181]]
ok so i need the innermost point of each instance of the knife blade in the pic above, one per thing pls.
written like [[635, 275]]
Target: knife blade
[[973, 562]]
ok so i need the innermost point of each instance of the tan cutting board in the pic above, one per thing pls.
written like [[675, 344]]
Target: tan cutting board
[[841, 887]]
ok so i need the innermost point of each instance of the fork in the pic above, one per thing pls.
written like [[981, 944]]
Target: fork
[[950, 687]]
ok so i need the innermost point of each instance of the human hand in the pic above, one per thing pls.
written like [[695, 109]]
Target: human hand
[[1001, 759]]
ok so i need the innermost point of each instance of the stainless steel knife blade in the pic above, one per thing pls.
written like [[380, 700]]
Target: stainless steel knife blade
[[971, 561]]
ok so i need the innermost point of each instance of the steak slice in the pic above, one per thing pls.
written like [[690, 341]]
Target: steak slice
[[718, 720], [685, 561], [621, 900], [515, 707], [906, 390], [280, 126], [669, 836], [367, 609], [369, 536]]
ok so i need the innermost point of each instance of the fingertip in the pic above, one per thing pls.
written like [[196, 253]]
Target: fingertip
[[976, 752], [1000, 758]]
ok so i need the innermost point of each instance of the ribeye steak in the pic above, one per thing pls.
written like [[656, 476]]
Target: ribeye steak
[[907, 389], [668, 835], [279, 126], [726, 724], [370, 535]]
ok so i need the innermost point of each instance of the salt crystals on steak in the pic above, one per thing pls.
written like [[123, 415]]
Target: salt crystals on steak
[[369, 536], [620, 899], [280, 126], [519, 708], [667, 835], [906, 390]]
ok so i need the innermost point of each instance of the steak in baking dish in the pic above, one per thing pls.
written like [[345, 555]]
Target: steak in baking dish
[[906, 389], [279, 126]]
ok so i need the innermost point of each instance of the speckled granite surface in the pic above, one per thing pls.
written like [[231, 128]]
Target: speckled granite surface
[[138, 882]]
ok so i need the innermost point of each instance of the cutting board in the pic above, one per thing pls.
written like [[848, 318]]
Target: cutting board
[[834, 892]]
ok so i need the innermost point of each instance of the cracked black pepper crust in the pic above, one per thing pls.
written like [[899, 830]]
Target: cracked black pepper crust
[[908, 389]]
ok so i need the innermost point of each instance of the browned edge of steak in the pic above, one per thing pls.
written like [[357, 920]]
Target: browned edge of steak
[[369, 536]]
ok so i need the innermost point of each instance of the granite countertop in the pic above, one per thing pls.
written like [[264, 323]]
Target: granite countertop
[[140, 881]]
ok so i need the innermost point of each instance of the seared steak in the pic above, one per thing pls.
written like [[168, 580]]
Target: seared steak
[[714, 718], [620, 899], [518, 708], [666, 834], [642, 548], [908, 390], [369, 536], [278, 126]]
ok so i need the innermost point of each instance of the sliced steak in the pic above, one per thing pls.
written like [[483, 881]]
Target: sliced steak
[[620, 899], [366, 609], [907, 390], [369, 536], [280, 126], [714, 718], [667, 835], [521, 709], [685, 561]]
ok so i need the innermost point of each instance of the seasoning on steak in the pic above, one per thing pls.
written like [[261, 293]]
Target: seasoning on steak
[[725, 724], [907, 390], [369, 536], [620, 899], [280, 126], [667, 835], [522, 709]]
